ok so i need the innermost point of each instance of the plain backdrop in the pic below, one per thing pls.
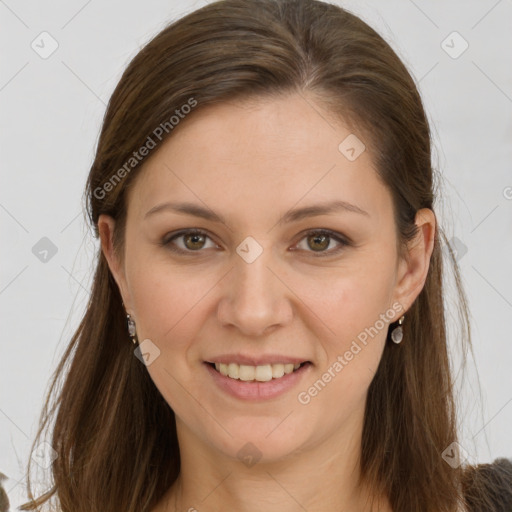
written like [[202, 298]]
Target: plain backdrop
[[52, 107]]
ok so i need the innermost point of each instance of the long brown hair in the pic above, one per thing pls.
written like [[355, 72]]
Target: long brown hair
[[113, 433]]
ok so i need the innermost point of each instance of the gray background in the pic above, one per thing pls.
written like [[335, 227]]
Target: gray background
[[51, 113]]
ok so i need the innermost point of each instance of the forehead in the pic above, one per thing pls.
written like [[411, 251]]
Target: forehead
[[260, 154]]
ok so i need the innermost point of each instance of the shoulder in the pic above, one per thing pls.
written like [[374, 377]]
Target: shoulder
[[488, 487]]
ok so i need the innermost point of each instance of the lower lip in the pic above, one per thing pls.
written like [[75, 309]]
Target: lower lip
[[252, 390]]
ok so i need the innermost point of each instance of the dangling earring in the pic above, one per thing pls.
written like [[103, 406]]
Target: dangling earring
[[397, 333], [132, 332]]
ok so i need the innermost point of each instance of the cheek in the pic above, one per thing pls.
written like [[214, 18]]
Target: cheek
[[170, 307], [354, 310], [168, 301], [349, 300]]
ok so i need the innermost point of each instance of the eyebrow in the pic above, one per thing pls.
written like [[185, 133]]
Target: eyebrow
[[290, 216]]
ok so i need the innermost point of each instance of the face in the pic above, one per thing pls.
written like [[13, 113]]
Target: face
[[253, 280]]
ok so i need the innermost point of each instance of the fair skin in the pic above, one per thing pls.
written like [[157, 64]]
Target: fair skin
[[251, 164]]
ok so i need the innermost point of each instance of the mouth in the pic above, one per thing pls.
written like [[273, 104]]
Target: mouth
[[260, 373]]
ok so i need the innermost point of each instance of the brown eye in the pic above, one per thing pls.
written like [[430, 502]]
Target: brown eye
[[318, 242], [194, 241], [188, 242]]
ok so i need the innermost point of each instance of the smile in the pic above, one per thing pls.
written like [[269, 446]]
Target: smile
[[257, 382], [260, 373]]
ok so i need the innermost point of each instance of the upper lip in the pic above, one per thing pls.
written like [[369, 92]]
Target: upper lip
[[255, 360]]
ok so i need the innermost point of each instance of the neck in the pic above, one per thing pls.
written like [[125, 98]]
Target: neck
[[321, 478]]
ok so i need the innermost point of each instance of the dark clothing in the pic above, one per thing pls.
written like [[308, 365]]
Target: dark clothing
[[488, 487]]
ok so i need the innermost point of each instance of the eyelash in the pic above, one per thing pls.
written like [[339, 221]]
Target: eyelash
[[343, 241]]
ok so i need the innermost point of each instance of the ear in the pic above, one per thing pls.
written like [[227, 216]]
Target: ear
[[106, 225], [413, 268]]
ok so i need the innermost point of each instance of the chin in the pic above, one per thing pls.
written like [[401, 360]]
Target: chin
[[261, 439]]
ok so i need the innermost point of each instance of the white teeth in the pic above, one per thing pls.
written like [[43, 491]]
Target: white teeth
[[277, 370], [288, 368], [261, 373], [245, 372], [234, 370]]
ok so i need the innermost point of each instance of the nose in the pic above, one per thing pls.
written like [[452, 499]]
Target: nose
[[255, 298]]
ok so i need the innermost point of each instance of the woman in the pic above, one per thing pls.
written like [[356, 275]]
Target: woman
[[264, 197]]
